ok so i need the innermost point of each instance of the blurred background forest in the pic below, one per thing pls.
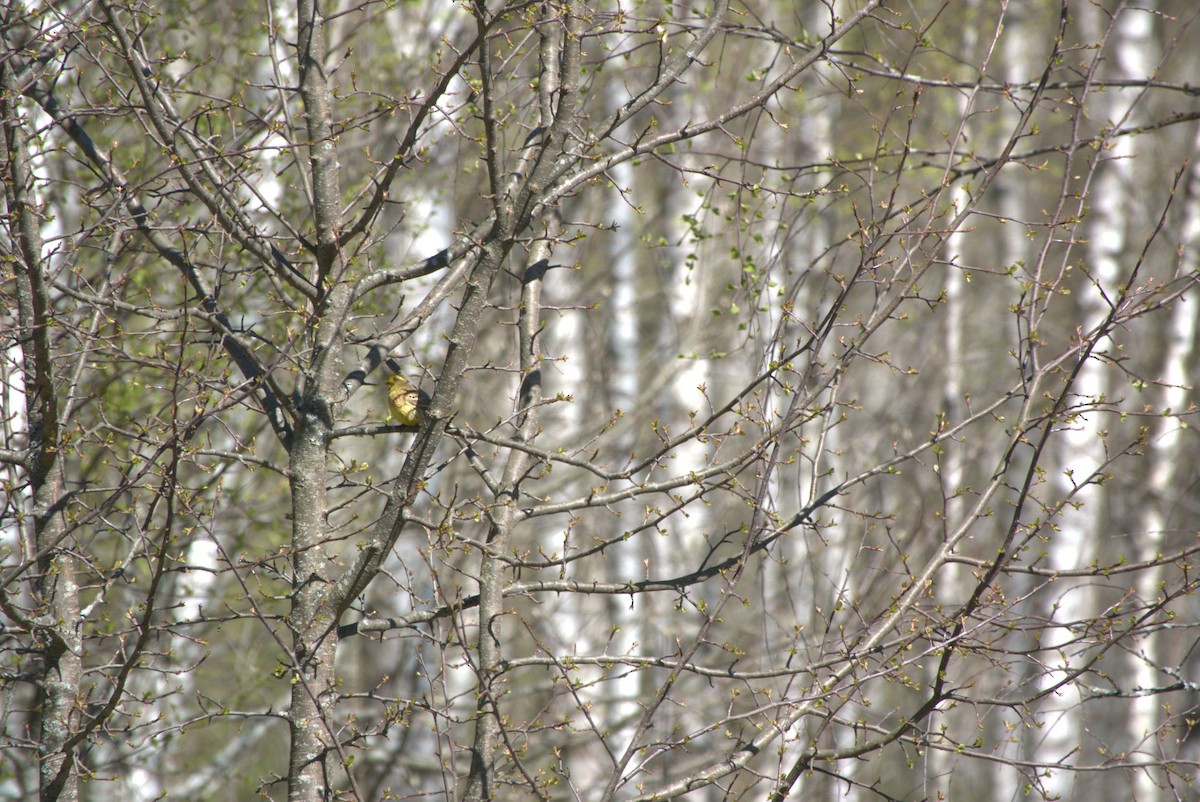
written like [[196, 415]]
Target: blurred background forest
[[809, 400]]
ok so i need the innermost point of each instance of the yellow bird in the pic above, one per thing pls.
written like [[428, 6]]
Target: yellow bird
[[406, 403]]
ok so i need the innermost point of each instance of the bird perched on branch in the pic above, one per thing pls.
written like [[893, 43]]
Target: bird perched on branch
[[406, 403]]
